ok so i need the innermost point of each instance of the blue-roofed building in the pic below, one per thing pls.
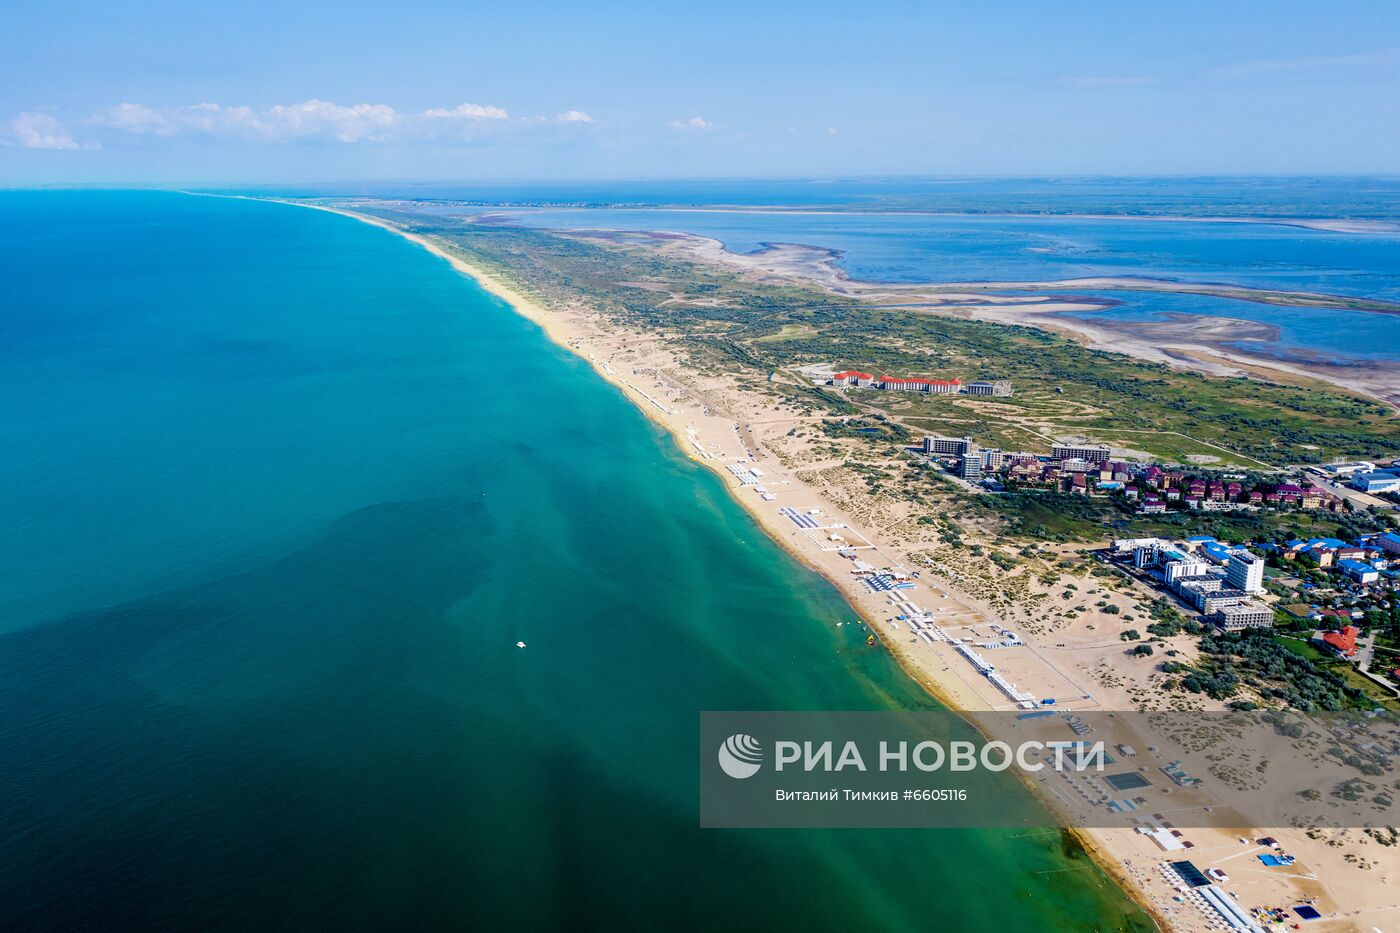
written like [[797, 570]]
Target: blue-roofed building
[[1216, 551], [1199, 539], [1359, 571], [1376, 481], [1388, 542], [1321, 551]]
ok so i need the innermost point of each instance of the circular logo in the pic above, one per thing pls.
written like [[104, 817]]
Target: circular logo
[[741, 756]]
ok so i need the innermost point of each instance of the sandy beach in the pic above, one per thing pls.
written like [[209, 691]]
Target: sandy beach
[[752, 446]]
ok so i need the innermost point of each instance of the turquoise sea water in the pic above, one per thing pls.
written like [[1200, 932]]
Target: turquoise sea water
[[907, 247], [283, 492]]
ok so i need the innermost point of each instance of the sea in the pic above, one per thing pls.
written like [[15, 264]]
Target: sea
[[283, 493]]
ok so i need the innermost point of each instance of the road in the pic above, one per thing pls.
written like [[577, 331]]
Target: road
[[1365, 651], [1355, 496]]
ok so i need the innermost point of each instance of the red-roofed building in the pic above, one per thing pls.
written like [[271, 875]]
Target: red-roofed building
[[1342, 641], [853, 377]]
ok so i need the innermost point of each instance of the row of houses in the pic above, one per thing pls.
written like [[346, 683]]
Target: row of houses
[[1091, 469], [1158, 490], [1156, 484], [852, 377], [1364, 560]]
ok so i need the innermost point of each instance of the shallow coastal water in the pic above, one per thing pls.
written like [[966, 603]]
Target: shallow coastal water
[[285, 493], [1328, 334], [912, 248]]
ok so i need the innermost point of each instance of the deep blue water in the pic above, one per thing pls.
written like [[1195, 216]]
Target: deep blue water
[[273, 526]]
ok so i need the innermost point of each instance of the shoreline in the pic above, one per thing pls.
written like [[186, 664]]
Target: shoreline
[[1374, 380], [944, 693], [744, 427], [1359, 226], [808, 262], [819, 263], [526, 308], [1204, 347]]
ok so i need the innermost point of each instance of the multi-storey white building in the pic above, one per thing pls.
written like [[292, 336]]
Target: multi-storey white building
[[947, 446], [1245, 615], [1184, 568], [1245, 572], [1095, 453]]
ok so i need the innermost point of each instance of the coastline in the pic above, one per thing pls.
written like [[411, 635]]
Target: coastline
[[956, 696], [1328, 224], [717, 423], [562, 335], [1206, 345], [1182, 349]]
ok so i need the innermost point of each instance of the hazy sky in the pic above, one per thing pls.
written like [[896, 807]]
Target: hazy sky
[[301, 90]]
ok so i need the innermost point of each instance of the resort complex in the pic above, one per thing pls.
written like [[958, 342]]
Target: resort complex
[[919, 384]]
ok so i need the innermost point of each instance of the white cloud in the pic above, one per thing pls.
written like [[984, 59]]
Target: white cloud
[[132, 118], [311, 120], [41, 131], [694, 123], [323, 119], [573, 116], [467, 112]]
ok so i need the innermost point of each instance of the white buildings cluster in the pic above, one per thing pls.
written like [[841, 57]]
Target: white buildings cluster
[[1216, 580]]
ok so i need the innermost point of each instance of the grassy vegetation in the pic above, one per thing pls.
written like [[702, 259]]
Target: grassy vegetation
[[1301, 648], [1256, 659], [1057, 516], [1375, 694], [728, 324]]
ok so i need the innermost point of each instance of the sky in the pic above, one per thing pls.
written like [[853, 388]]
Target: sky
[[305, 91]]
